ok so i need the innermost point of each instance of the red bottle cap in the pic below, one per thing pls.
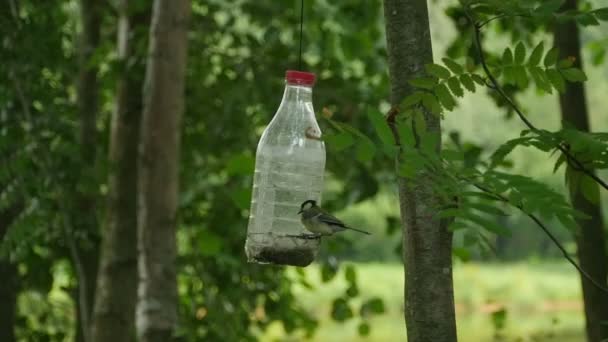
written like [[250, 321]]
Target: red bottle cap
[[300, 77]]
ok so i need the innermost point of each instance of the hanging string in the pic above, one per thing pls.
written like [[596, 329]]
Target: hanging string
[[301, 25]]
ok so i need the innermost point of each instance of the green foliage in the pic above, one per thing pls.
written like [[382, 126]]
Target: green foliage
[[553, 75], [41, 170], [499, 318]]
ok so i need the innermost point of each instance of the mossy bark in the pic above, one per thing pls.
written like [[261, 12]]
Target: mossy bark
[[427, 243]]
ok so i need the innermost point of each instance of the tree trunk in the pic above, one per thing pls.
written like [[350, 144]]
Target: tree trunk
[[427, 243], [85, 260], [590, 239], [8, 298], [114, 313], [9, 283], [158, 166]]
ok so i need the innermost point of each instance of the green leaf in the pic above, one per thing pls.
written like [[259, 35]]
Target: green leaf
[[520, 53], [429, 101], [587, 19], [601, 13], [453, 66], [450, 212], [363, 329], [486, 208], [556, 80], [455, 87], [462, 253], [412, 99], [478, 79], [551, 57], [507, 57], [406, 135], [381, 126], [487, 224], [560, 161], [423, 82], [508, 75], [505, 149], [567, 221], [241, 198], [429, 141], [574, 75], [352, 291], [328, 271], [350, 275], [437, 70], [589, 189], [419, 123], [565, 63], [537, 54], [499, 319], [372, 306], [340, 310], [339, 141], [520, 76], [241, 164], [548, 7], [210, 244], [365, 150], [452, 155], [467, 82], [444, 96], [540, 78]]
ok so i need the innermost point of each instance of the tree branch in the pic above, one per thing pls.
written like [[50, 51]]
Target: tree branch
[[572, 160], [501, 198], [500, 16]]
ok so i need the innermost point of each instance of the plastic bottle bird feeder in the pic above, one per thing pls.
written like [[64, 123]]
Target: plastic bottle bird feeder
[[289, 167]]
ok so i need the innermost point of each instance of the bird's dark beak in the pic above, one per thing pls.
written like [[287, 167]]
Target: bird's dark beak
[[299, 212]]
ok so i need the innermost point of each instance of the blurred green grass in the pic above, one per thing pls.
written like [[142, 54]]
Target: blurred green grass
[[542, 301]]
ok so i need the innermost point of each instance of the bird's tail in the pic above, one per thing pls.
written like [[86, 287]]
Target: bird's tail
[[358, 230]]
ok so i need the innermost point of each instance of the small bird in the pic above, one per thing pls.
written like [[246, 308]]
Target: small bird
[[320, 222]]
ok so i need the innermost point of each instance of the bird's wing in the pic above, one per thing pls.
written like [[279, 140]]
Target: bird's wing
[[329, 219]]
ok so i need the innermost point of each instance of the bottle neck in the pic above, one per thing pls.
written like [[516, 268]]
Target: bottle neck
[[297, 93]]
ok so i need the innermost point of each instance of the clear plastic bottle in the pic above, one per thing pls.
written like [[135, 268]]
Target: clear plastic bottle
[[289, 167]]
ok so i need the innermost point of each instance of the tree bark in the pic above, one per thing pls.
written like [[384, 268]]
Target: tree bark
[[591, 238], [158, 166], [9, 284], [84, 218], [8, 298], [427, 243], [114, 313]]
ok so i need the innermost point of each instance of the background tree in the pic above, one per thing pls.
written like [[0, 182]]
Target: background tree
[[159, 167], [114, 313], [84, 218], [427, 242], [9, 287], [591, 236]]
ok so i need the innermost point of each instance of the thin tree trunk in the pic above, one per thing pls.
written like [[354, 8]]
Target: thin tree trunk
[[158, 166], [427, 243], [114, 313], [591, 238], [9, 281], [85, 217], [8, 298]]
